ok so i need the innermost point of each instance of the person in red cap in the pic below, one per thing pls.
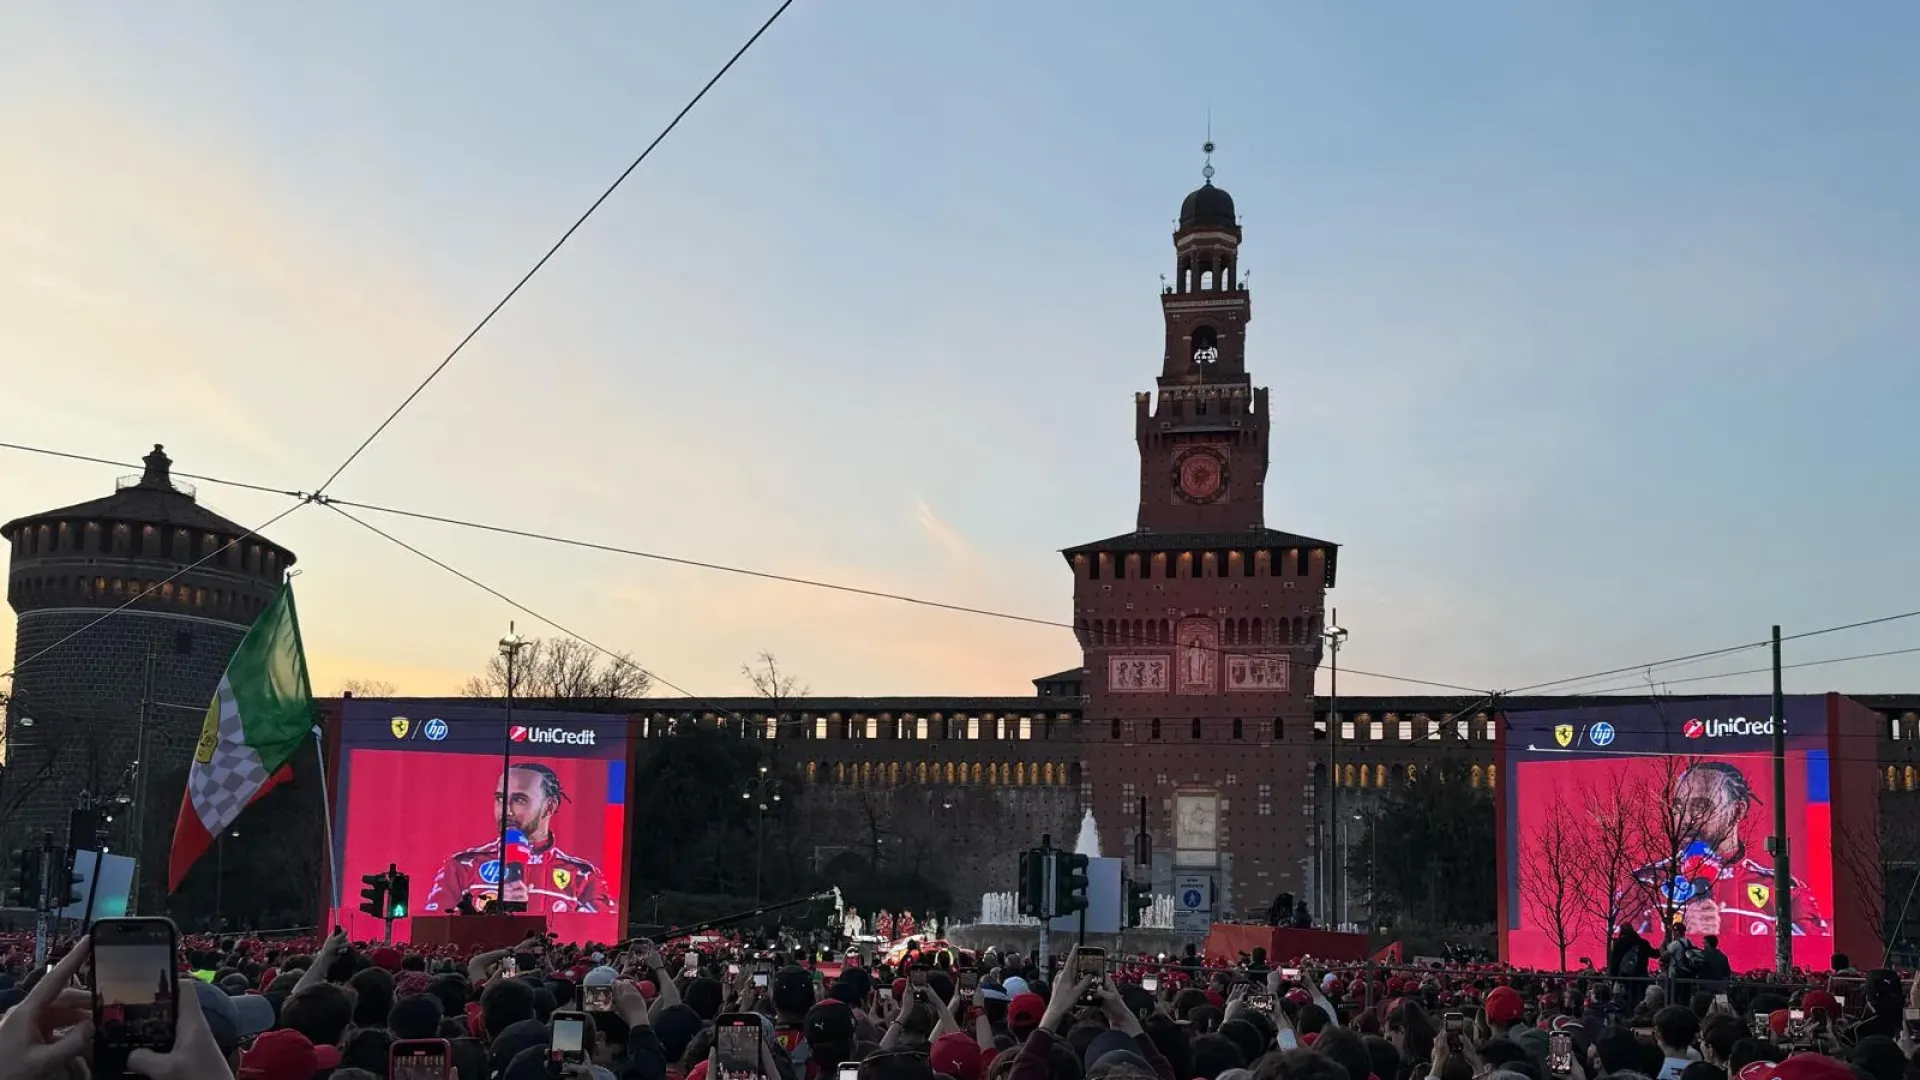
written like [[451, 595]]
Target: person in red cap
[[1506, 1013], [286, 1055]]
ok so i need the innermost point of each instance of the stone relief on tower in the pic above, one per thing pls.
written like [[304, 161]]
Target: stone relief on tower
[[1199, 638], [1137, 674]]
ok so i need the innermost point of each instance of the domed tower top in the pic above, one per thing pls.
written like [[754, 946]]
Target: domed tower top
[[106, 552], [1208, 207]]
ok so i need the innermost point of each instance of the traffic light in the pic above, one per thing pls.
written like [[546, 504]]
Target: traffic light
[[397, 886], [1069, 883], [72, 894], [25, 891], [1139, 900], [373, 898], [1033, 883], [85, 827]]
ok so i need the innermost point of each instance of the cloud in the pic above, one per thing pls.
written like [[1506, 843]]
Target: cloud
[[948, 540]]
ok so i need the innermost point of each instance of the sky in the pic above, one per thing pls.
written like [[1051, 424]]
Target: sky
[[1589, 329]]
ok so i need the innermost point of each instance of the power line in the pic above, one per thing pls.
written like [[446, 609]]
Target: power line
[[522, 608], [557, 245], [764, 575], [1710, 653], [1762, 670], [877, 594], [155, 586], [130, 465]]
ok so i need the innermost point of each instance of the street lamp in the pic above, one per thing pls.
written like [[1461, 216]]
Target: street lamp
[[510, 647], [1335, 636], [763, 791]]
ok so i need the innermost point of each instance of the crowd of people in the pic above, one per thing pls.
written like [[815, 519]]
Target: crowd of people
[[313, 1008]]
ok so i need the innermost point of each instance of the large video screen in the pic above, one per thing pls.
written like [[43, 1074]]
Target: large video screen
[[1656, 815], [420, 788]]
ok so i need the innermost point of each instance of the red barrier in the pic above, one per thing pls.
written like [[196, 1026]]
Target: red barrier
[[477, 933]]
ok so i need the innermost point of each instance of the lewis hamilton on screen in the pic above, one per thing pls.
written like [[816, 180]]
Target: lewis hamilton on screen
[[554, 882]]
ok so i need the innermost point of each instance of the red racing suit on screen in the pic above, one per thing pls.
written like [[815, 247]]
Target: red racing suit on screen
[[557, 883], [1742, 890]]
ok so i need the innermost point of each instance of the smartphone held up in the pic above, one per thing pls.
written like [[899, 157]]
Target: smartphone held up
[[135, 987]]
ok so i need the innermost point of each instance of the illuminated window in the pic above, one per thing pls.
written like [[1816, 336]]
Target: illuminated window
[[1488, 724], [819, 727], [1493, 776], [976, 772], [1406, 731], [919, 727], [1346, 730], [1026, 727], [1376, 730], [1460, 730], [1475, 777], [1046, 773], [873, 727], [1366, 776], [1379, 776], [973, 727]]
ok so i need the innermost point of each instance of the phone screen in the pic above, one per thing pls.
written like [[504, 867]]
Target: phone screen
[[1091, 963], [135, 980], [1913, 1023], [733, 971], [1150, 983], [569, 1037], [1560, 1052], [737, 1039], [969, 980], [510, 967], [597, 998], [420, 1059], [1456, 1026], [918, 979], [760, 979], [849, 1070]]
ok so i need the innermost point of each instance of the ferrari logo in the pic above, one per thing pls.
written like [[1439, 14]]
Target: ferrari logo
[[400, 726], [562, 877], [1563, 734], [1758, 895]]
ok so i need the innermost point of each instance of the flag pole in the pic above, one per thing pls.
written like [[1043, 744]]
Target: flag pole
[[326, 819]]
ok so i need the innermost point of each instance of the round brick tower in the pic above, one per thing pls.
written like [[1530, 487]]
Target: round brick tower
[[73, 720]]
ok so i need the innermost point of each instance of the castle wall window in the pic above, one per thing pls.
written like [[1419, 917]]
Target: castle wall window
[[1405, 733], [1238, 731], [1156, 728], [973, 727], [1026, 727], [919, 727], [819, 727]]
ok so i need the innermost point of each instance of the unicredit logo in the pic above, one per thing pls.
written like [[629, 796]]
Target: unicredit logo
[[560, 736], [1724, 727]]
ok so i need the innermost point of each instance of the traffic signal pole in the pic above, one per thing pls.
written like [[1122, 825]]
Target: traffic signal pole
[[1046, 896], [1782, 875], [42, 907]]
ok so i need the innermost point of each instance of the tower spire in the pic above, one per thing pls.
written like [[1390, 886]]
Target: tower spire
[[1206, 168]]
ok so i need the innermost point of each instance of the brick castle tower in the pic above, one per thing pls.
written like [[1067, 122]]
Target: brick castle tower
[[73, 719], [1201, 628]]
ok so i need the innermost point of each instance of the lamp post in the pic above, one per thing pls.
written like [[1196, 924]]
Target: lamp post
[[763, 791], [510, 647], [1335, 636]]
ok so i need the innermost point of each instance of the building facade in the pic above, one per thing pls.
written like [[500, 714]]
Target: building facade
[[183, 584]]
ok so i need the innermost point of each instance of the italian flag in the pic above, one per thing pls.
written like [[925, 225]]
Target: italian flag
[[260, 717]]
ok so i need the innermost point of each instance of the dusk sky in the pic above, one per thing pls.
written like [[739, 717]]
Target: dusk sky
[[1590, 328]]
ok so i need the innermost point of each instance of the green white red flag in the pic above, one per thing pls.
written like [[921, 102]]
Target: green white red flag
[[260, 717]]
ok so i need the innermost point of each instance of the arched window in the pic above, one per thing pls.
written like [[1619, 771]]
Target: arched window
[[1910, 778], [1379, 776], [1020, 773], [1366, 776], [976, 772], [1892, 784], [810, 771], [1474, 777], [839, 773], [1206, 346], [1046, 773], [1413, 773]]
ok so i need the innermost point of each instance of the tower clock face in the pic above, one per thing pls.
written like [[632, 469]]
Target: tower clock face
[[1201, 475]]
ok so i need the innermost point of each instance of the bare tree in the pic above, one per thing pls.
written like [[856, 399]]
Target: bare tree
[[1609, 859], [771, 681], [1863, 857], [369, 688], [1550, 876], [562, 670], [1665, 822]]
